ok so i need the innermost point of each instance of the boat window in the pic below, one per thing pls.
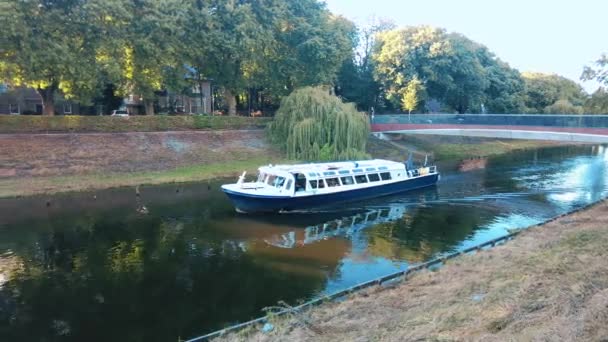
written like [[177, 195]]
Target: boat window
[[312, 174], [357, 170], [383, 213], [347, 180], [382, 168], [261, 177], [373, 177], [344, 172], [329, 173], [313, 184], [370, 169], [321, 184], [270, 180], [359, 219], [385, 176], [361, 179], [332, 182], [279, 181], [288, 186], [300, 182]]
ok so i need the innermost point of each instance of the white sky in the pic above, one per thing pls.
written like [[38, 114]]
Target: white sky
[[531, 35]]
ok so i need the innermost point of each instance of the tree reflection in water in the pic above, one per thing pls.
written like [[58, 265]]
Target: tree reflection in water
[[134, 278]]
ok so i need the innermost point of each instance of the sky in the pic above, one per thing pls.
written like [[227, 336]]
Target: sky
[[557, 36]]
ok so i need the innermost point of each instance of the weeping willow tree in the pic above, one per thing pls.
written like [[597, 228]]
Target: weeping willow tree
[[313, 125]]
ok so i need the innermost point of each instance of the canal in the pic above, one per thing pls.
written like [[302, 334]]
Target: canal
[[176, 261]]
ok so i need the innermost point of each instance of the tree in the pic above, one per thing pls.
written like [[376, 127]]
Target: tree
[[599, 74], [400, 54], [466, 80], [598, 102], [196, 39], [238, 39], [148, 48], [276, 46], [505, 92], [310, 47], [563, 107], [447, 64], [356, 81], [543, 90], [311, 124], [412, 95], [49, 46]]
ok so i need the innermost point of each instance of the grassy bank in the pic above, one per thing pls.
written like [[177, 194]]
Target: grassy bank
[[453, 148], [50, 185], [46, 164], [51, 163], [156, 123], [550, 283]]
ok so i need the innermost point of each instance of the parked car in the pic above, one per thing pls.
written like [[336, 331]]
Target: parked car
[[120, 112]]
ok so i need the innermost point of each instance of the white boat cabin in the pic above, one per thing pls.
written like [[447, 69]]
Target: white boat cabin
[[321, 178]]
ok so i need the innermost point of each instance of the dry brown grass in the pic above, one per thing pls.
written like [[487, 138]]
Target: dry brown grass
[[549, 284]]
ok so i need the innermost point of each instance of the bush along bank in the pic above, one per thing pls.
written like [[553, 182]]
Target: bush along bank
[[111, 124]]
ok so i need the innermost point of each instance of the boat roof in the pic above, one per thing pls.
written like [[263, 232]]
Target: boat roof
[[321, 168]]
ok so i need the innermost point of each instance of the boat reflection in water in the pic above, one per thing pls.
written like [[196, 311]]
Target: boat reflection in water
[[346, 227]]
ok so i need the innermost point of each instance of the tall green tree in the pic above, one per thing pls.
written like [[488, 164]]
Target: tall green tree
[[401, 54], [460, 73], [466, 80], [51, 47], [311, 45], [447, 64], [149, 48], [544, 90], [505, 92], [238, 38], [276, 46], [356, 81]]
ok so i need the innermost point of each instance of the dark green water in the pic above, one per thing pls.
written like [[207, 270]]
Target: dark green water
[[177, 261]]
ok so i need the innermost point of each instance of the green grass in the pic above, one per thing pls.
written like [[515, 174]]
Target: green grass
[[49, 185], [482, 149], [459, 148], [74, 123]]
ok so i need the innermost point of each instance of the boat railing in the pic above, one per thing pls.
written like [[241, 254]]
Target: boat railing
[[422, 171]]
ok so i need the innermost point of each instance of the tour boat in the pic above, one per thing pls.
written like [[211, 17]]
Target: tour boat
[[305, 186]]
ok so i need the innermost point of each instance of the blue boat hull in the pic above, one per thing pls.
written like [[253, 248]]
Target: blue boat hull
[[252, 203]]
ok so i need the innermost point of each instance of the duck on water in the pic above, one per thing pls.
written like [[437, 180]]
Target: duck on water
[[304, 186]]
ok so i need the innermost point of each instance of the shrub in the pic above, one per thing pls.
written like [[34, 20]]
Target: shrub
[[74, 123]]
